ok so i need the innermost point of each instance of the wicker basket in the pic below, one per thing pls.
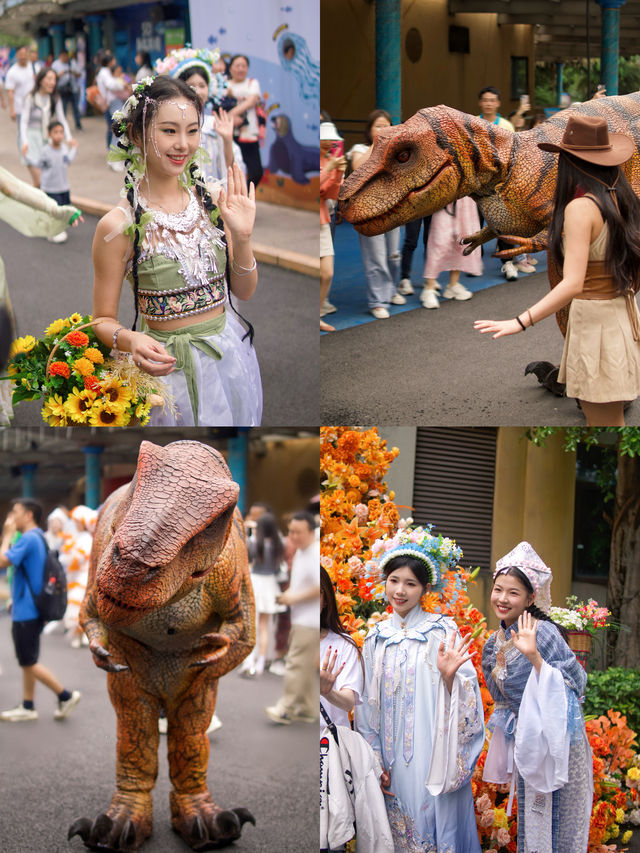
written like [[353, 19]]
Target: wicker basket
[[580, 644]]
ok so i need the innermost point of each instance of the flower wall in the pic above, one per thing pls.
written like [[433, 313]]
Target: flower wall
[[358, 508]]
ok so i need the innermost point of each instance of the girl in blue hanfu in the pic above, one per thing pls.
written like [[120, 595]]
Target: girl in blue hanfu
[[539, 743], [421, 709]]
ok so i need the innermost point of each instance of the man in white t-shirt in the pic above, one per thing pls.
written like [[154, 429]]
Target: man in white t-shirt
[[19, 82], [299, 701]]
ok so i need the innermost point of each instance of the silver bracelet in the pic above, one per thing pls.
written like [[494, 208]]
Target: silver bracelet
[[235, 268], [115, 336]]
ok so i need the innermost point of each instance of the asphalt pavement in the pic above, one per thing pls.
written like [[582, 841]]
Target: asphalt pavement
[[48, 280], [431, 367], [52, 773]]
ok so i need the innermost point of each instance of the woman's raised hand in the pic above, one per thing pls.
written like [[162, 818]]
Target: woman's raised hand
[[525, 639], [328, 671], [450, 658], [151, 356], [223, 124], [238, 205]]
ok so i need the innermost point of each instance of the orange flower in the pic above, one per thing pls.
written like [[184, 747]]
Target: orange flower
[[91, 383], [94, 355], [60, 368], [83, 366], [77, 339]]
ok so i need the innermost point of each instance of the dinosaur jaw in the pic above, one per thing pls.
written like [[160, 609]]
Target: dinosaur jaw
[[115, 612], [434, 194]]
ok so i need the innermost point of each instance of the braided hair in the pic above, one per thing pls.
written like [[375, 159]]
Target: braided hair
[[138, 121], [533, 609]]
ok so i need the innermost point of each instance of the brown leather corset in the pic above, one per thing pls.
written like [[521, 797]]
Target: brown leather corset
[[599, 284]]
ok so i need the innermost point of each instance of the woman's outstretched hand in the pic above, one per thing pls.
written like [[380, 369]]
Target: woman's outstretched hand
[[450, 658], [151, 356], [238, 205], [329, 672], [499, 328], [525, 639]]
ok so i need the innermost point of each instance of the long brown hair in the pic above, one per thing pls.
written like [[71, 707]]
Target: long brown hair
[[329, 619], [623, 219]]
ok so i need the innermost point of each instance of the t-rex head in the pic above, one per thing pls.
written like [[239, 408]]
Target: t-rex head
[[161, 535], [419, 167]]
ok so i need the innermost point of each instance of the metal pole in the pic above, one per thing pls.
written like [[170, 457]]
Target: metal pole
[[559, 83], [610, 43], [28, 470], [92, 475], [237, 456], [389, 58]]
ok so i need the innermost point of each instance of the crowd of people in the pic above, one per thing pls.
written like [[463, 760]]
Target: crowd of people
[[400, 779]]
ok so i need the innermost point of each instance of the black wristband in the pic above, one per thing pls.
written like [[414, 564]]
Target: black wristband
[[522, 325]]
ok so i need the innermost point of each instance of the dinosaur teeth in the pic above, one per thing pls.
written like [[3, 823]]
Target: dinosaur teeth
[[120, 604]]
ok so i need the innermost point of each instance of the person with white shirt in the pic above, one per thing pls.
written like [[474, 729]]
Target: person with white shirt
[[299, 701], [110, 88], [19, 82]]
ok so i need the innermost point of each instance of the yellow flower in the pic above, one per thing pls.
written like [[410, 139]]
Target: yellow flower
[[55, 328], [115, 392], [143, 413], [626, 838], [94, 355], [25, 344], [614, 831], [75, 318], [83, 366], [78, 405], [108, 414], [620, 815], [53, 411], [633, 773], [500, 818]]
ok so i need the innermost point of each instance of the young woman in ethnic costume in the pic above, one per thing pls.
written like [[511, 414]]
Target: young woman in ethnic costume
[[183, 268], [421, 709], [538, 742]]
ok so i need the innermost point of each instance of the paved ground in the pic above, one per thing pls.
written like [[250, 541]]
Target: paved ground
[[431, 367], [47, 281], [54, 772], [283, 235]]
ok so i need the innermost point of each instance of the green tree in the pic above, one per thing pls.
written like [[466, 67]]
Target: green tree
[[574, 79], [623, 594]]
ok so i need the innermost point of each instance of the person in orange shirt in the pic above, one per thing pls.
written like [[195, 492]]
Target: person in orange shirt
[[332, 168]]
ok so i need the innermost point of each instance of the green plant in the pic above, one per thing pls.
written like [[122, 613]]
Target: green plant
[[617, 688]]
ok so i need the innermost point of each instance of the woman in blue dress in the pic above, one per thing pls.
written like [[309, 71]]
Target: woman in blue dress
[[422, 710], [538, 743]]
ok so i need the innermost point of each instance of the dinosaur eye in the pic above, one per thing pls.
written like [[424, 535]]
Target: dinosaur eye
[[403, 156]]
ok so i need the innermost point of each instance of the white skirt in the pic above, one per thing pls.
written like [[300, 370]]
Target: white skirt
[[229, 390], [265, 591]]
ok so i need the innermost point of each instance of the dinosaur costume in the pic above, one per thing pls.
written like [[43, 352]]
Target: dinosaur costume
[[168, 610]]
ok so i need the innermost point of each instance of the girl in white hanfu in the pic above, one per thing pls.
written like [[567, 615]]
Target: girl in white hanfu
[[538, 744], [422, 710]]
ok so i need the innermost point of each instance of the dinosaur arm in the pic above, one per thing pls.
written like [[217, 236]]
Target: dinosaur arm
[[537, 243], [224, 649], [98, 636]]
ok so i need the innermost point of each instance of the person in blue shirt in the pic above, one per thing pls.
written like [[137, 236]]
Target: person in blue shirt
[[28, 555]]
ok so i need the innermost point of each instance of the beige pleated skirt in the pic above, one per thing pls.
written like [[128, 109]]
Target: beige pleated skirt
[[600, 361]]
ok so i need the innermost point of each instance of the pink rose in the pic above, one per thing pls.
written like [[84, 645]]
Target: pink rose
[[503, 837], [486, 818], [377, 546], [354, 563], [362, 512], [326, 562], [483, 803]]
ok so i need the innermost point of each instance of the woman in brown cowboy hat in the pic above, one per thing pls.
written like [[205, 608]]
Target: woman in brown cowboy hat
[[595, 239]]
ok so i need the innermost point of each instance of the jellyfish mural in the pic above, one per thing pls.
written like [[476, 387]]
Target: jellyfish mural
[[296, 59]]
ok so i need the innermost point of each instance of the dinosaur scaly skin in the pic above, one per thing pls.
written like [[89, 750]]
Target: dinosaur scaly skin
[[168, 610], [441, 154]]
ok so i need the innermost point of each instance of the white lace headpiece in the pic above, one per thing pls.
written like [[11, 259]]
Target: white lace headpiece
[[524, 557]]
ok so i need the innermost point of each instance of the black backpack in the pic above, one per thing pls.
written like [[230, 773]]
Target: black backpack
[[51, 601]]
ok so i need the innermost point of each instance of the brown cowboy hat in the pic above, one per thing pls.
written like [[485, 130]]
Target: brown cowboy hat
[[588, 138]]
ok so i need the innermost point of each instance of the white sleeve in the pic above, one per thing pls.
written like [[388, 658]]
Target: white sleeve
[[352, 676], [542, 745]]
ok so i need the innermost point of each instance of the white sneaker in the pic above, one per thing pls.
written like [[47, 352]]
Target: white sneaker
[[525, 266], [509, 270], [162, 725], [429, 299], [19, 714], [405, 288], [215, 724], [327, 308], [62, 237], [398, 299], [65, 708], [457, 291], [278, 667], [380, 313]]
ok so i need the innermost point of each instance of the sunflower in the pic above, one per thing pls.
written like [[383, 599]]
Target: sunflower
[[143, 413], [53, 411], [94, 355], [55, 328], [78, 405], [75, 318], [108, 414], [114, 392], [25, 344], [83, 366]]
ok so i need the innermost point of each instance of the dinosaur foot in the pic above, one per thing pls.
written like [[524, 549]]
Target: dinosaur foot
[[202, 824], [122, 829], [547, 375], [521, 245]]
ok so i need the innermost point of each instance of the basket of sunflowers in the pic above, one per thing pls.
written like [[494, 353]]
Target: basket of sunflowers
[[78, 379]]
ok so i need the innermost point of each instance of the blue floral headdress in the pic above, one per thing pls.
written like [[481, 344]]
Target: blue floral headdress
[[437, 553]]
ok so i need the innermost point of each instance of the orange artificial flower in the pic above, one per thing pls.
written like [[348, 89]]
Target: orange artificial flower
[[77, 339], [60, 368]]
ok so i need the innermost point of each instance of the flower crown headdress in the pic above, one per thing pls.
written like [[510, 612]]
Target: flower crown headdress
[[524, 558], [201, 59], [437, 553]]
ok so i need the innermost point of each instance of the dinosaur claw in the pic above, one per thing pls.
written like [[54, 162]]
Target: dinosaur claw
[[244, 815], [81, 827], [228, 823], [198, 830], [128, 835], [102, 826]]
